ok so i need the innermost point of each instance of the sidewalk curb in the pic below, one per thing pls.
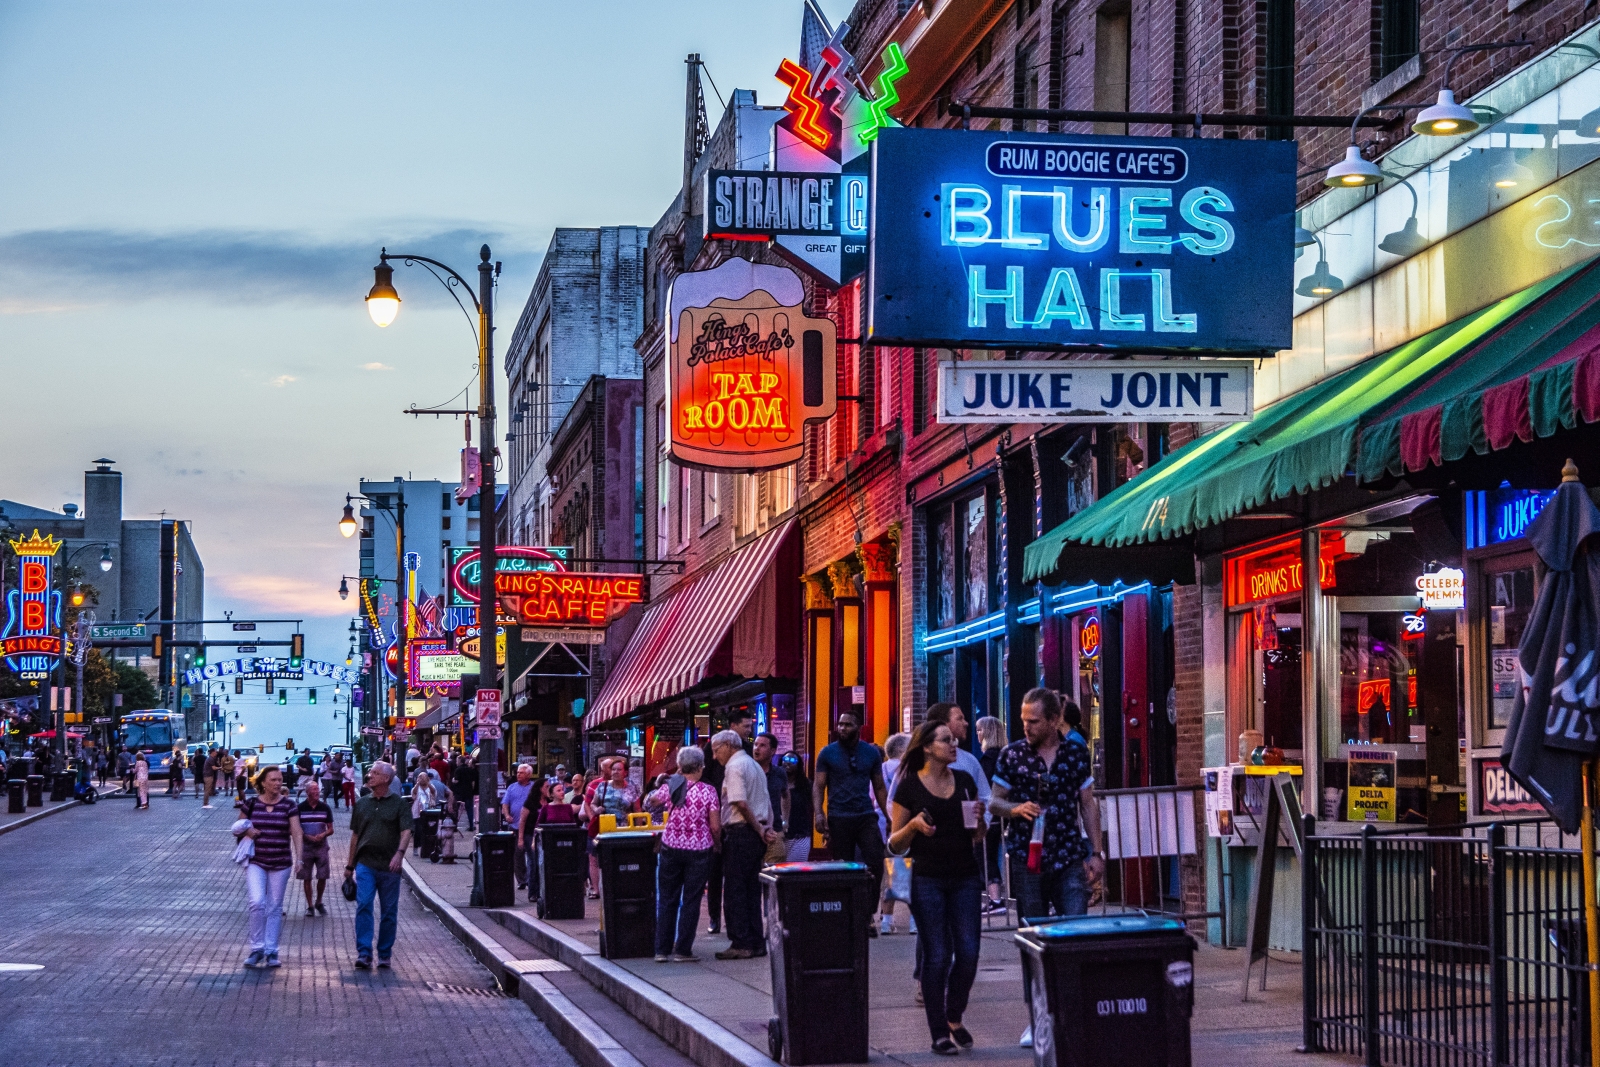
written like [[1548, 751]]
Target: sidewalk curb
[[703, 1040], [36, 816], [579, 1034]]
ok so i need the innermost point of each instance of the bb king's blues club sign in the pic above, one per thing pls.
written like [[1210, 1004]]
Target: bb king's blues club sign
[[1023, 240], [31, 640]]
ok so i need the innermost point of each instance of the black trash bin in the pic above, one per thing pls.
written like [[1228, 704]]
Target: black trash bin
[[35, 790], [495, 855], [1116, 988], [16, 796], [817, 916], [563, 865], [61, 785], [426, 829], [19, 768], [627, 894]]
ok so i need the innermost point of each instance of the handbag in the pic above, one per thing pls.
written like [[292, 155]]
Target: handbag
[[349, 886]]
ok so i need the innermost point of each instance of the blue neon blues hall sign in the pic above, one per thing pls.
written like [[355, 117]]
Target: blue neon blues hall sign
[[1026, 240]]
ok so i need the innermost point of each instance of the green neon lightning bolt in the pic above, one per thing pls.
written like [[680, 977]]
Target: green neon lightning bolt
[[894, 68]]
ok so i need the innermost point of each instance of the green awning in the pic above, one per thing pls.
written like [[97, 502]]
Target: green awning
[[1309, 440]]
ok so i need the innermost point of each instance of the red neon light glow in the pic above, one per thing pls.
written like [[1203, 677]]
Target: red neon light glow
[[33, 615], [42, 645], [802, 105], [1275, 571], [35, 578], [568, 598]]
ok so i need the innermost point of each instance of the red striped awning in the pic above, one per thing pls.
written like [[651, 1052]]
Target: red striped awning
[[677, 637]]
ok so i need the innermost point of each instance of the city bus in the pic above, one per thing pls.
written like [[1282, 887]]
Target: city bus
[[156, 730]]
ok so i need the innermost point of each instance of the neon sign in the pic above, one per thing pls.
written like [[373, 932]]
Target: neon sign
[[1089, 637], [803, 108], [466, 571], [32, 643], [747, 367], [276, 667], [1276, 570], [435, 667], [894, 68], [982, 239], [568, 598]]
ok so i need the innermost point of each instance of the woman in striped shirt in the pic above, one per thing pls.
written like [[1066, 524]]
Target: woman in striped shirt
[[275, 829]]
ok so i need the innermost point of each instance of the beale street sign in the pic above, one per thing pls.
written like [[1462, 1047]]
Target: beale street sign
[[1096, 391]]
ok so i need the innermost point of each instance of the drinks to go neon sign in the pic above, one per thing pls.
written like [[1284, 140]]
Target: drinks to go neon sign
[[748, 368]]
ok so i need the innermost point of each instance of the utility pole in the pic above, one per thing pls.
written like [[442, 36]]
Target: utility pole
[[488, 615]]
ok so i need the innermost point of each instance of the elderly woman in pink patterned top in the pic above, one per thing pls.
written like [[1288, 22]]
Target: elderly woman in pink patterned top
[[694, 831]]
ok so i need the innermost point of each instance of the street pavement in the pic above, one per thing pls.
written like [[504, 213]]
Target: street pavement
[[737, 994], [138, 919]]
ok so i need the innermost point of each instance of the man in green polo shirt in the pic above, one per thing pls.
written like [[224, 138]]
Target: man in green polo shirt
[[380, 833]]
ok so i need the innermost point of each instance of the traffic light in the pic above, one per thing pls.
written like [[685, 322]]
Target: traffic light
[[283, 696], [289, 744], [269, 687], [311, 696], [238, 686], [158, 646], [261, 748], [199, 657], [297, 651]]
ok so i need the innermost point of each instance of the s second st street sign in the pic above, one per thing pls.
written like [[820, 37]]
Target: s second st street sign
[[991, 391]]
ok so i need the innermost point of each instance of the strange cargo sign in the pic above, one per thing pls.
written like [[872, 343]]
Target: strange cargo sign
[[1032, 241], [747, 368], [1096, 391]]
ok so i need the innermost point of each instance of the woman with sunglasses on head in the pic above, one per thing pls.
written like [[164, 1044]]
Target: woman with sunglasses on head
[[934, 815]]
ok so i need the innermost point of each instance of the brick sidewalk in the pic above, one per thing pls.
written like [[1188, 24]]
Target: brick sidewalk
[[737, 994], [139, 921]]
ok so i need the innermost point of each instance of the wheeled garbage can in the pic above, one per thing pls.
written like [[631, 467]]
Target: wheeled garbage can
[[563, 867], [1116, 988], [627, 894], [494, 854], [817, 916]]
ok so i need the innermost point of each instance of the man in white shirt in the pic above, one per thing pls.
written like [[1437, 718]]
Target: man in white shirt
[[746, 832]]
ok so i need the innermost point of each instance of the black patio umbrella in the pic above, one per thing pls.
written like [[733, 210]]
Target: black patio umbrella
[[1552, 738]]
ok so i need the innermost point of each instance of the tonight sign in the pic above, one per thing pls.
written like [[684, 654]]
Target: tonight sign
[[1036, 241], [1211, 390]]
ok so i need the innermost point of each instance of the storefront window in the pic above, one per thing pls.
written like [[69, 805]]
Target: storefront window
[[942, 569], [974, 557], [1509, 598], [1378, 679]]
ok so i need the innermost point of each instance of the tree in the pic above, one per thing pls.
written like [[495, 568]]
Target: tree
[[137, 690]]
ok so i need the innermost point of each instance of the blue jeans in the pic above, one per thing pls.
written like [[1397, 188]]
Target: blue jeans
[[680, 879], [949, 916], [1066, 891], [385, 885]]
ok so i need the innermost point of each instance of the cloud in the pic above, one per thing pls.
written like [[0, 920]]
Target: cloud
[[50, 270], [376, 366], [275, 594], [282, 380]]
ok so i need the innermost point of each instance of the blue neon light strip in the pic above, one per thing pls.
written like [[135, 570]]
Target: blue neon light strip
[[990, 625], [1065, 602]]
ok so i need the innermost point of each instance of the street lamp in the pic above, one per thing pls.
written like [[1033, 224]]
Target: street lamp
[[348, 524], [383, 304], [344, 589]]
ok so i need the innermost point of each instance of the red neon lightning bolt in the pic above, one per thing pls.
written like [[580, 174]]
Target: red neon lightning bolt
[[804, 107]]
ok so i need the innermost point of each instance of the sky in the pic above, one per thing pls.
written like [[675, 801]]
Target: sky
[[192, 197]]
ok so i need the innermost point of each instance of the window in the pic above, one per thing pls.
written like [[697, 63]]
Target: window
[[444, 501], [1111, 64], [1397, 36], [638, 481], [972, 515], [985, 50], [781, 490], [710, 506], [1510, 589], [1024, 82], [663, 484], [919, 390], [1279, 75], [883, 402], [683, 505], [444, 523]]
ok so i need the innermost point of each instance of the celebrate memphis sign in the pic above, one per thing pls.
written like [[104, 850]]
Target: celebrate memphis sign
[[747, 367], [31, 639], [1020, 240], [1211, 390]]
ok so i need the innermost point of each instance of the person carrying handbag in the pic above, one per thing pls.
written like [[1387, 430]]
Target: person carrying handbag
[[692, 836]]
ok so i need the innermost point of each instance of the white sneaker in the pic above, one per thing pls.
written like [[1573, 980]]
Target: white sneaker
[[913, 923], [1027, 1038], [886, 925]]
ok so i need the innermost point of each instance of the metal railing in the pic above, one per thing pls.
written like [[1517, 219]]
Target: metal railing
[[1445, 945]]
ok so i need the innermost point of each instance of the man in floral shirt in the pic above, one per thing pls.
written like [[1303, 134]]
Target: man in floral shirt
[[1047, 775]]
